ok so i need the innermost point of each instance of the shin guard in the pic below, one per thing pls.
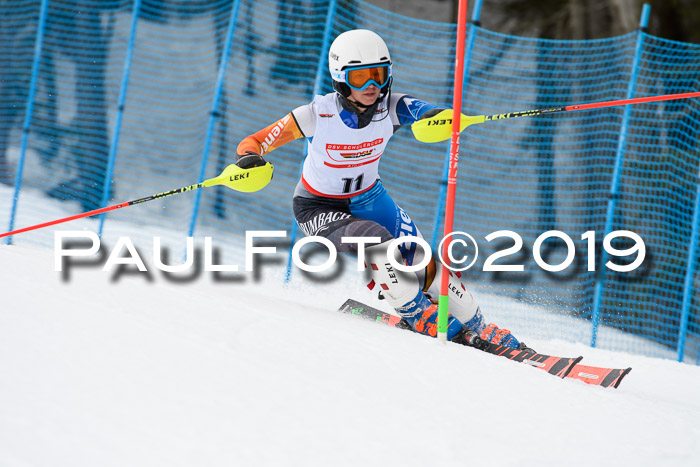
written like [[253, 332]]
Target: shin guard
[[461, 303]]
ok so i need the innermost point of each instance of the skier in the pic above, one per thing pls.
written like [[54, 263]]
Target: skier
[[341, 195]]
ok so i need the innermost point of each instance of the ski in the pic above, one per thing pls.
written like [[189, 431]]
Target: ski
[[605, 377], [564, 367], [557, 366]]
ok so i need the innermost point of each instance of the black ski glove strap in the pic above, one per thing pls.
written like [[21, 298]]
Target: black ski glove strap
[[431, 113], [250, 160]]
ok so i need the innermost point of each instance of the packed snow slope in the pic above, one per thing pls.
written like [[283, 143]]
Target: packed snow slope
[[134, 372]]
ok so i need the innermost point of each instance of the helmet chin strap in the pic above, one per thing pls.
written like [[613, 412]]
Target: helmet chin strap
[[384, 91], [358, 107], [365, 113], [362, 107]]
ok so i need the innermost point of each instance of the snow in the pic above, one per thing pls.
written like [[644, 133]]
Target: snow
[[114, 370], [137, 373]]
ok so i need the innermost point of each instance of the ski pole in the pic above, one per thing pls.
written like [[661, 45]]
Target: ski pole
[[438, 128], [234, 177]]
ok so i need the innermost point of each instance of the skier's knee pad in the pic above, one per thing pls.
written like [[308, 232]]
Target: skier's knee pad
[[461, 302], [397, 287]]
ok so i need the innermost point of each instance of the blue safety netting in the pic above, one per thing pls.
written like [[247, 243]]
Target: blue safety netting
[[153, 95]]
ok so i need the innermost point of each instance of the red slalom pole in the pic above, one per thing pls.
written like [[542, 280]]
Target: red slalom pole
[[452, 171]]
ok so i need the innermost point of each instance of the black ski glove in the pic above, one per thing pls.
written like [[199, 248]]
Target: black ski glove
[[250, 160], [431, 113]]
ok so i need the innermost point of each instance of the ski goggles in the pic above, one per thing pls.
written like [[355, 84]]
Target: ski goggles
[[361, 77]]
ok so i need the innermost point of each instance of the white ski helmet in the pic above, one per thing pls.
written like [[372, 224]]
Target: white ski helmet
[[364, 50]]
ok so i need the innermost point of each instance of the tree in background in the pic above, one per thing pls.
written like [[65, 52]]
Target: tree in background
[[14, 79], [87, 135], [592, 19]]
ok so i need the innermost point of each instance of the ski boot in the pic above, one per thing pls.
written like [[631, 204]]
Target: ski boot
[[421, 315], [495, 335], [470, 338]]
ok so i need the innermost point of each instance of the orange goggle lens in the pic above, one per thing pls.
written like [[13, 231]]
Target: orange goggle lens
[[361, 78]]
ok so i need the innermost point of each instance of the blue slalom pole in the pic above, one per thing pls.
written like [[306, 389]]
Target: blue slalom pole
[[689, 273], [214, 114], [615, 182], [38, 46], [318, 87], [120, 113]]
